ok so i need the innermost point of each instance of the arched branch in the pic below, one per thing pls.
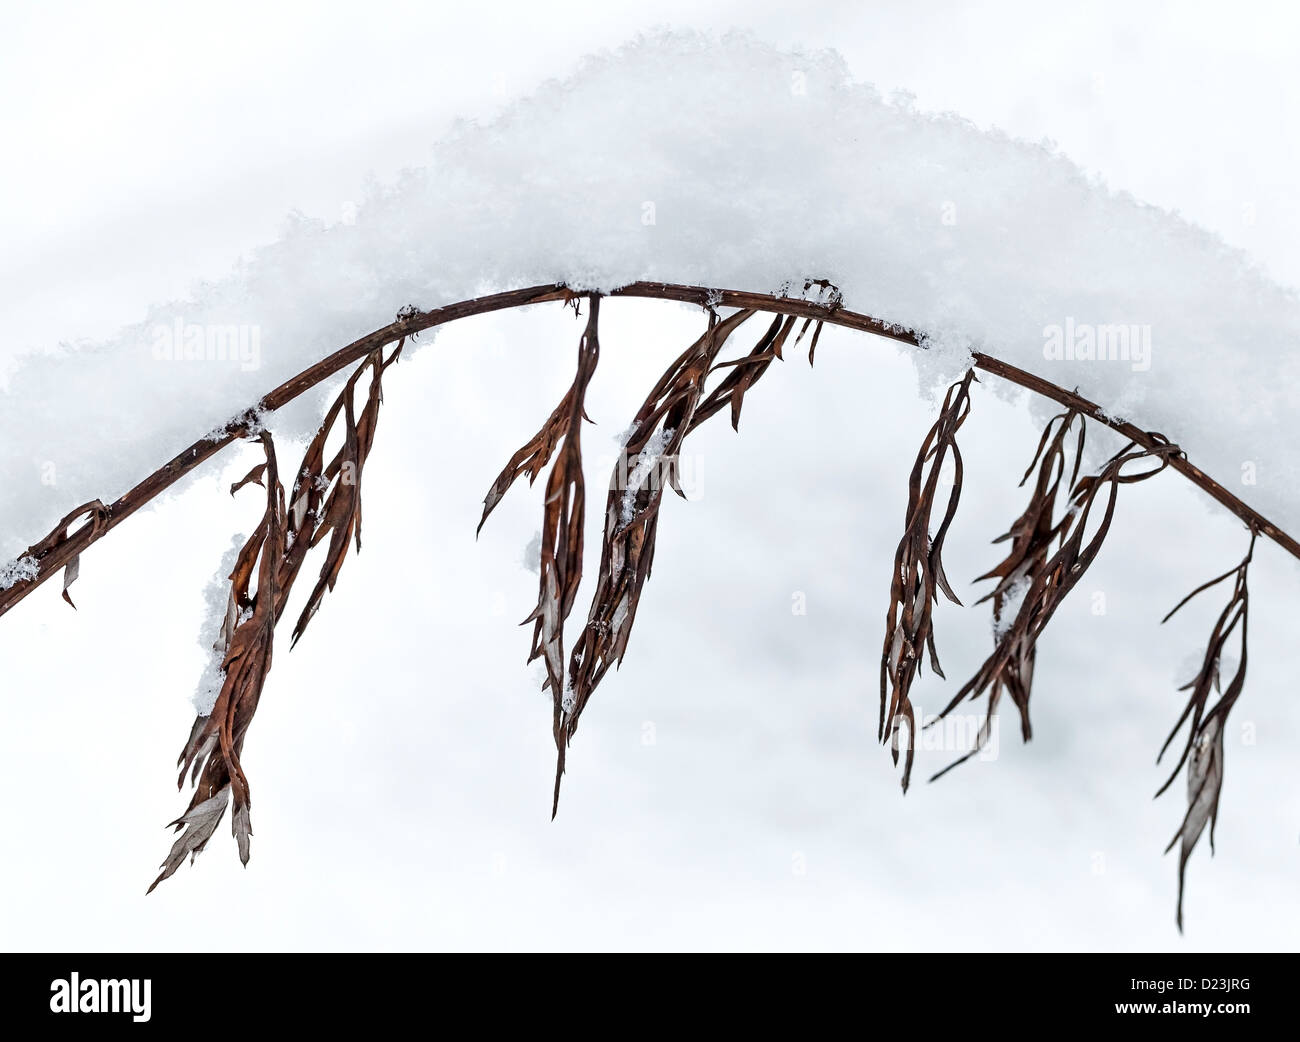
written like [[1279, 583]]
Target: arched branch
[[51, 558], [324, 500]]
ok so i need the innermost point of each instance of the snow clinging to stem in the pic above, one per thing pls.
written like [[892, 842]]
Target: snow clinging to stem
[[719, 162]]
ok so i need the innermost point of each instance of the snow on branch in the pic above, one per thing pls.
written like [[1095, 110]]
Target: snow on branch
[[718, 162], [323, 501]]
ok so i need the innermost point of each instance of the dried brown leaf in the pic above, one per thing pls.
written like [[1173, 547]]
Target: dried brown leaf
[[70, 572], [324, 500], [1049, 581], [632, 519], [563, 518], [1203, 751], [918, 576], [196, 826]]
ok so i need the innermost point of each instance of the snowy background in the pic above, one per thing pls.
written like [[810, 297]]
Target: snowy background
[[724, 789]]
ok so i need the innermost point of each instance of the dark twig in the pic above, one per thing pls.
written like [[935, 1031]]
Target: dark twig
[[325, 500], [54, 558]]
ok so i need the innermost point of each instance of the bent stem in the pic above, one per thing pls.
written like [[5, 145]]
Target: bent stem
[[325, 500]]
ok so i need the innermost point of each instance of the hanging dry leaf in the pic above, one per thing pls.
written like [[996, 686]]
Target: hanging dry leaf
[[646, 465], [918, 576], [324, 499], [196, 826], [70, 572], [1031, 537], [1203, 752], [1046, 559], [1047, 585]]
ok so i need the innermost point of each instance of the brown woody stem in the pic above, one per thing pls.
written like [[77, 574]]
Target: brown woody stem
[[833, 314]]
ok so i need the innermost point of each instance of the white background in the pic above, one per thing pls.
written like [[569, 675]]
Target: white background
[[401, 758]]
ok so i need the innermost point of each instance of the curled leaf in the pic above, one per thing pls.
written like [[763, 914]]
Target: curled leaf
[[646, 465], [918, 576], [254, 476], [1203, 751], [70, 572], [196, 826]]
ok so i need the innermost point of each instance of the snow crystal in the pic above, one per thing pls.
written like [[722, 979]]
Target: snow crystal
[[1190, 667], [645, 462], [251, 419], [1012, 598], [20, 570], [216, 605], [706, 167], [532, 559]]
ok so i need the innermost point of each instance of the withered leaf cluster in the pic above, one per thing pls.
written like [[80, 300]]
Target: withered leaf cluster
[[1037, 578], [1052, 543], [918, 575], [678, 404], [90, 515], [1203, 750], [1031, 537], [1050, 551], [324, 501]]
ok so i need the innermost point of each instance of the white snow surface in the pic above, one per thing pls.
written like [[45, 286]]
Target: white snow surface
[[645, 463], [722, 162], [1012, 599], [216, 605], [20, 570]]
